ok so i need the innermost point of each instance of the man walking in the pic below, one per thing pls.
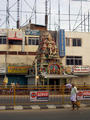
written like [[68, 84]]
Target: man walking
[[74, 97]]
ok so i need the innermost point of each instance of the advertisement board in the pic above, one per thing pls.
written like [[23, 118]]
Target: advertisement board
[[83, 95], [3, 32], [80, 69], [18, 69], [32, 32], [15, 35], [39, 96]]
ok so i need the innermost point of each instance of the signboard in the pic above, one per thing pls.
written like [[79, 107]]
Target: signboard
[[32, 32], [3, 32], [83, 95], [2, 69], [80, 69], [39, 96], [18, 69], [61, 43], [15, 35]]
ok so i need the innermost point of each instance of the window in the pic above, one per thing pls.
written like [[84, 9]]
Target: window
[[3, 39], [76, 42], [37, 41], [33, 41], [67, 41], [73, 60], [30, 41], [15, 42]]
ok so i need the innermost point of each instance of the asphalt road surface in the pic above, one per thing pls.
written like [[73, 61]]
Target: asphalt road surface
[[54, 114]]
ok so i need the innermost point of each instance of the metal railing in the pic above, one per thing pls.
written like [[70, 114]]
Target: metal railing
[[21, 95]]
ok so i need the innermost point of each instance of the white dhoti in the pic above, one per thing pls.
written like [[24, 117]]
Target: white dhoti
[[73, 98]]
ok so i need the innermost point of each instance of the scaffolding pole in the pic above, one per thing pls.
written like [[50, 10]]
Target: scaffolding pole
[[84, 24], [46, 16], [58, 14], [18, 17], [49, 14], [88, 22], [7, 15], [69, 16], [35, 12], [81, 15]]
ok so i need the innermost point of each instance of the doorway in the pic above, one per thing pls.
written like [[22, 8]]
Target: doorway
[[54, 81]]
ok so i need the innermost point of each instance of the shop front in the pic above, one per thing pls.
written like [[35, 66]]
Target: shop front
[[55, 79], [83, 73], [17, 74]]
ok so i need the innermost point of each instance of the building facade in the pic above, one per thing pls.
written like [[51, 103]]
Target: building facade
[[18, 50], [77, 55]]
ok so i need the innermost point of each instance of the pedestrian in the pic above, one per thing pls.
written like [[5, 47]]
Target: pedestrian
[[74, 97]]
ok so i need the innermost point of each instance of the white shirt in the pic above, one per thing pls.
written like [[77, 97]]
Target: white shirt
[[74, 91], [73, 94]]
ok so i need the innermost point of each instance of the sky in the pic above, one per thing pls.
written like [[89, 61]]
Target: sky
[[26, 7]]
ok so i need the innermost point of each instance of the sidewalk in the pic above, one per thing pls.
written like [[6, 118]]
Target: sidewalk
[[38, 107]]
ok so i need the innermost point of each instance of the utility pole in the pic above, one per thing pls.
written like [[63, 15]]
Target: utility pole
[[18, 17], [7, 27], [36, 72]]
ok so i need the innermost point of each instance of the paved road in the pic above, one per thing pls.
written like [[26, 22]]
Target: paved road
[[60, 114]]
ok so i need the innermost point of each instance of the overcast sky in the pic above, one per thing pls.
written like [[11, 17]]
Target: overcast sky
[[26, 7]]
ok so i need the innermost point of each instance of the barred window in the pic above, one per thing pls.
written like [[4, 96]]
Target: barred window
[[76, 42], [33, 41], [73, 60], [3, 39]]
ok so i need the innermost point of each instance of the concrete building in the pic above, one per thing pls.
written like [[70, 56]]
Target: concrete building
[[18, 50], [77, 55]]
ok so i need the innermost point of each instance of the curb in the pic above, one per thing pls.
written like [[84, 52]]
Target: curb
[[38, 107]]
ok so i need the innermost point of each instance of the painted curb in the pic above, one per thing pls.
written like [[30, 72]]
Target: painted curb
[[38, 107]]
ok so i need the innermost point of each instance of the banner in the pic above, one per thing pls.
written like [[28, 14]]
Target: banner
[[39, 96], [83, 95], [61, 43]]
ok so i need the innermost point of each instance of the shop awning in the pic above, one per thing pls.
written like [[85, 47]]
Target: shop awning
[[53, 76], [81, 74]]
